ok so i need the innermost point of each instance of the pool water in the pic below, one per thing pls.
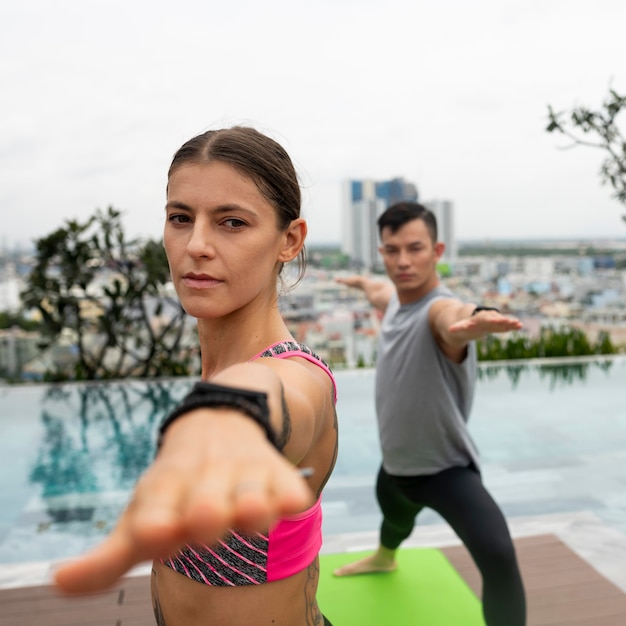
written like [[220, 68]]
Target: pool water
[[552, 439], [70, 455]]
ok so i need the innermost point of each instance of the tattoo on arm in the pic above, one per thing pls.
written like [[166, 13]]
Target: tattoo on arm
[[285, 433]]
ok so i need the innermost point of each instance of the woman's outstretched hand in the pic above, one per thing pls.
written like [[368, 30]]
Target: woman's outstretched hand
[[215, 471]]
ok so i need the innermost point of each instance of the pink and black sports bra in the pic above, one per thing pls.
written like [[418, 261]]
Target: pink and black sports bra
[[288, 547]]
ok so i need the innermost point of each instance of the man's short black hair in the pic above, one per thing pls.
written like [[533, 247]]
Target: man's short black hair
[[398, 214]]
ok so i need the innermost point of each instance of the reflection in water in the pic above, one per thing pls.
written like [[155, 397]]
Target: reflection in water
[[564, 373], [99, 437], [491, 372], [568, 373], [60, 466]]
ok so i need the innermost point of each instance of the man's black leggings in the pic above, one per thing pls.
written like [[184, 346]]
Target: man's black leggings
[[460, 497]]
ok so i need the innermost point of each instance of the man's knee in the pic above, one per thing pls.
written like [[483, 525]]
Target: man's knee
[[497, 553]]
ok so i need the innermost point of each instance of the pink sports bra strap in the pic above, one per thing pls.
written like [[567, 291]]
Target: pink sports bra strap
[[287, 349]]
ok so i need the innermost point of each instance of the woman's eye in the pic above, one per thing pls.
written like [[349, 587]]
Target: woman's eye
[[234, 223]]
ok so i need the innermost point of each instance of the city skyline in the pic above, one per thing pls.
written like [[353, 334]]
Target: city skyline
[[364, 201], [450, 95]]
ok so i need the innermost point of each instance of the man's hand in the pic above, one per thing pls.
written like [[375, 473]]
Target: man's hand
[[482, 324], [215, 471], [357, 281], [454, 326]]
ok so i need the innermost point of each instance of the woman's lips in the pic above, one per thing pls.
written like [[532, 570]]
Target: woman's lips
[[200, 281]]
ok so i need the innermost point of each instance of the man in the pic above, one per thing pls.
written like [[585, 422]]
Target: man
[[425, 380]]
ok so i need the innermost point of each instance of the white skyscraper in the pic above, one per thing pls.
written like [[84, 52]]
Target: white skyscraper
[[363, 203], [444, 212]]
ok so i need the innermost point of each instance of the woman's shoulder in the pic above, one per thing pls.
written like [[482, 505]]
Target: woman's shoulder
[[290, 348]]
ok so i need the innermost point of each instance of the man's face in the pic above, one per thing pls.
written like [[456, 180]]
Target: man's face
[[410, 257]]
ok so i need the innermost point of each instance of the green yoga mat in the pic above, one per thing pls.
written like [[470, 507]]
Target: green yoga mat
[[425, 590]]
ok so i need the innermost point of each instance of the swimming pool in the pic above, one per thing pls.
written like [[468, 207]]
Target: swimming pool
[[552, 439]]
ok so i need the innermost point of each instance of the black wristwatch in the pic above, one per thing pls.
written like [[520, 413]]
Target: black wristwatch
[[478, 309]]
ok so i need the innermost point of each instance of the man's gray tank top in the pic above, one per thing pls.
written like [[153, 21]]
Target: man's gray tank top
[[423, 399]]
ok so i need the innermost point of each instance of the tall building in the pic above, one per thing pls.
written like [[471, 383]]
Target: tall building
[[444, 212], [363, 203]]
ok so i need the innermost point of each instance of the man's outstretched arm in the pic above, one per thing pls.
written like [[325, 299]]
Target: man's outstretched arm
[[455, 324], [378, 292]]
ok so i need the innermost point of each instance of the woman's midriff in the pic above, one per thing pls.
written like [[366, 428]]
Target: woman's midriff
[[181, 601]]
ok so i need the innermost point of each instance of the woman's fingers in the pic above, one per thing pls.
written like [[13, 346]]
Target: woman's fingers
[[248, 496], [149, 528], [238, 479], [260, 497], [98, 569]]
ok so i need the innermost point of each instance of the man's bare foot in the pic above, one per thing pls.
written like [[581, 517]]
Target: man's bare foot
[[377, 562]]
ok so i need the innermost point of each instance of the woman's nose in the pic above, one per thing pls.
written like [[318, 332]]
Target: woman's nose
[[200, 243]]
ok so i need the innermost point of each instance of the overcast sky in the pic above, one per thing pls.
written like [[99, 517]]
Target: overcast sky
[[451, 94]]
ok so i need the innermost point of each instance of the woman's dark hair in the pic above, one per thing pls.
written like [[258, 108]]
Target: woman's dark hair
[[399, 214], [258, 157]]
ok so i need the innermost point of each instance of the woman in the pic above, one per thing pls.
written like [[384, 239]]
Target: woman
[[230, 508]]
